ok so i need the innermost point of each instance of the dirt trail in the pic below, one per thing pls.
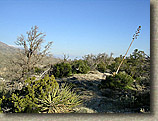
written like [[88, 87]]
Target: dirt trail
[[86, 85]]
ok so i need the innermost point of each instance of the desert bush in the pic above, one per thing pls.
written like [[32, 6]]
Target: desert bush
[[119, 81], [94, 60], [142, 100], [80, 66], [136, 100], [113, 66], [37, 70], [91, 59], [40, 96], [136, 65], [101, 67], [61, 70], [65, 69], [0, 104]]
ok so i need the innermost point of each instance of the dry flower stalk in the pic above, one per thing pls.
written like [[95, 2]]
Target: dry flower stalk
[[134, 37]]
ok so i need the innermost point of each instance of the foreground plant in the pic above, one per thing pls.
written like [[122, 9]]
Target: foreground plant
[[119, 81], [61, 100], [41, 96], [60, 70]]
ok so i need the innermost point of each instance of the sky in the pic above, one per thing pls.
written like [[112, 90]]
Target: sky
[[79, 27]]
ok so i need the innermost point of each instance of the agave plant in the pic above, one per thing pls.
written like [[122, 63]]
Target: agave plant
[[41, 96], [60, 100]]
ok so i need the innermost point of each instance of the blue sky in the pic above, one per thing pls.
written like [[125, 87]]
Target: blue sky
[[79, 27]]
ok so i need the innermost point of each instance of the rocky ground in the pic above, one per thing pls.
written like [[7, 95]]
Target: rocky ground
[[96, 100]]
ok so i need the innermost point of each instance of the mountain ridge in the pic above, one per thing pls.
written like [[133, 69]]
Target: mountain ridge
[[6, 49], [7, 53]]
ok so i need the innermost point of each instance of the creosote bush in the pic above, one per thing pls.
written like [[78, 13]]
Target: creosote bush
[[94, 60], [119, 81], [101, 67], [41, 96], [62, 70], [80, 66], [66, 69]]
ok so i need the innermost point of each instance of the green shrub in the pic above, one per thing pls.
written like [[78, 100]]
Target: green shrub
[[136, 65], [113, 66], [80, 66], [143, 100], [93, 60], [101, 67], [37, 70], [0, 106], [41, 96], [62, 70], [120, 81], [136, 100]]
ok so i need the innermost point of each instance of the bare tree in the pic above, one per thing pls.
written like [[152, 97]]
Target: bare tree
[[32, 52]]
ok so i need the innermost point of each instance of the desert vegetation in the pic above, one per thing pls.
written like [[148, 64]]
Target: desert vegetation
[[32, 83]]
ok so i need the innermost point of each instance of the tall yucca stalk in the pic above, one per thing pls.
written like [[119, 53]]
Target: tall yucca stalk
[[134, 37]]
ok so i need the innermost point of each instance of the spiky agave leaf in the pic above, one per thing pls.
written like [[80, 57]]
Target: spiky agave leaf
[[60, 100]]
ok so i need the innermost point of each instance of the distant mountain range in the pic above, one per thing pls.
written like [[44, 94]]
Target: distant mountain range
[[6, 49], [6, 52]]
